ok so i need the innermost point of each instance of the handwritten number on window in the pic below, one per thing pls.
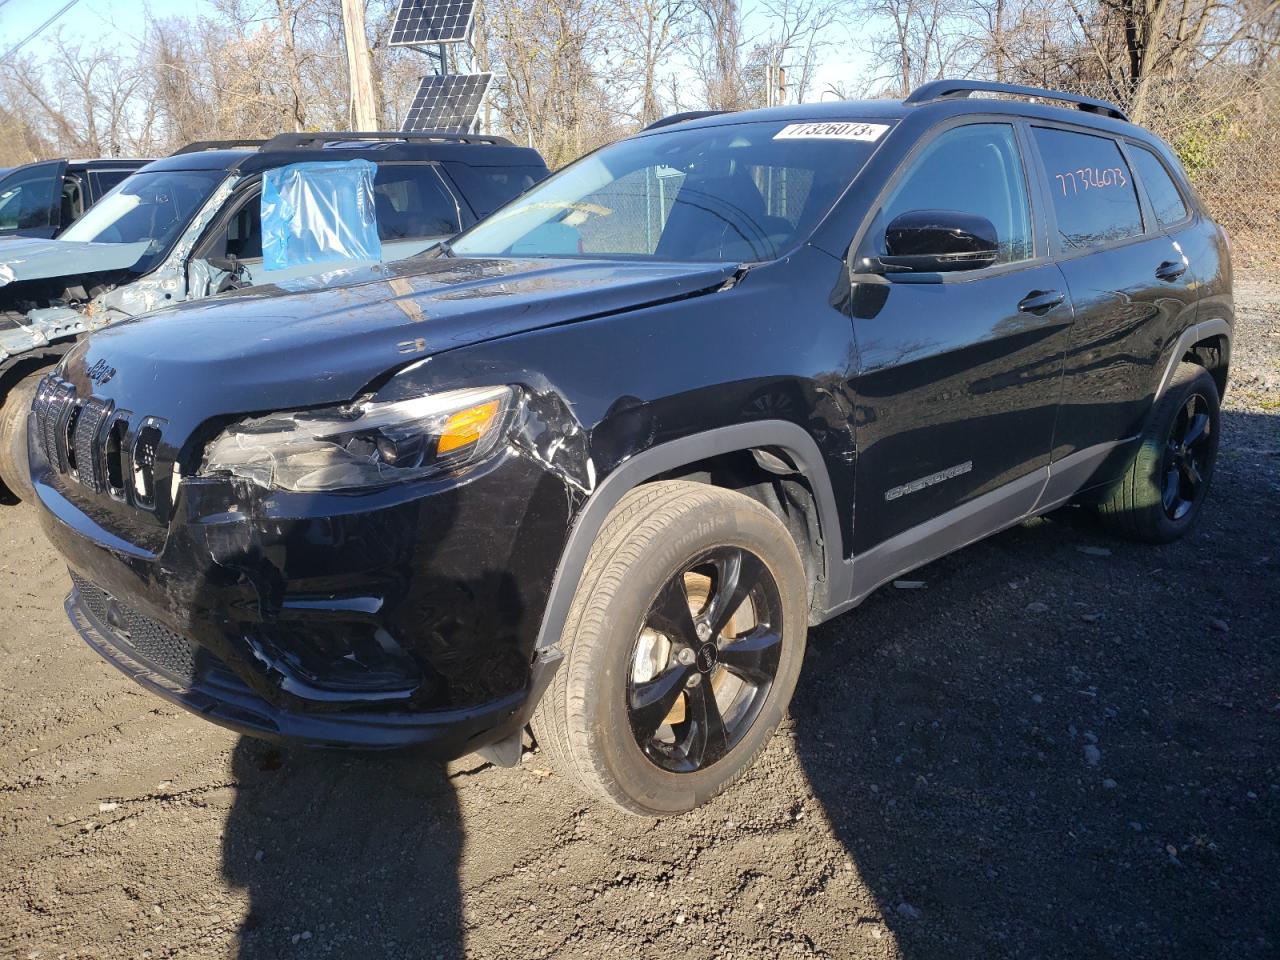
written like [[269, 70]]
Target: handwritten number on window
[[1092, 178]]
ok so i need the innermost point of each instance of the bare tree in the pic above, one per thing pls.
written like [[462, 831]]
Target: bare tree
[[717, 49], [648, 34], [798, 33], [922, 42]]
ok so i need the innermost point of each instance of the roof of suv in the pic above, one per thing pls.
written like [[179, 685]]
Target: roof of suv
[[936, 99], [241, 156]]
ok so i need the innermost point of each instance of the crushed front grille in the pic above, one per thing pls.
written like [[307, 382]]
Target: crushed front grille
[[137, 635]]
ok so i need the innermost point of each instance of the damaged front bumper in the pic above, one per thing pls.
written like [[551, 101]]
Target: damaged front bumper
[[402, 617], [186, 675]]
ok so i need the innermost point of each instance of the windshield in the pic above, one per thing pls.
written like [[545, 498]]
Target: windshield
[[152, 207], [740, 193]]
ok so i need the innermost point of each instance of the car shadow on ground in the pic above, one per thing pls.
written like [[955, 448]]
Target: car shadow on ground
[[356, 853], [1064, 744], [1050, 750]]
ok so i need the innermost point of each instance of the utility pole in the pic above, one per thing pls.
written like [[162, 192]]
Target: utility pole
[[775, 84], [359, 65]]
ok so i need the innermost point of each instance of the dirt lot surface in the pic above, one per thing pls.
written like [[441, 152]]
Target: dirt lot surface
[[1062, 746]]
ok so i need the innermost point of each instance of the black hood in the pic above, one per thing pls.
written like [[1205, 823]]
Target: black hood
[[324, 339]]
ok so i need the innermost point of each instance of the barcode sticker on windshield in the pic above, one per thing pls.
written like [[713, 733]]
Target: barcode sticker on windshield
[[831, 131]]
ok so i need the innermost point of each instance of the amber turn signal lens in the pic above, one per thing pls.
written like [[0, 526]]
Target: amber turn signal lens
[[467, 426]]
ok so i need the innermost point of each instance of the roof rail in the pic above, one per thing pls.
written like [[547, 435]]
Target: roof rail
[[682, 117], [199, 146], [352, 138], [950, 89]]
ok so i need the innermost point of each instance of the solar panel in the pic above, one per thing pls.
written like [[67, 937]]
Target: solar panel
[[448, 102], [432, 21]]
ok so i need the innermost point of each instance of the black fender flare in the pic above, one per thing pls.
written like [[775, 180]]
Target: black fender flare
[[1197, 332], [789, 437]]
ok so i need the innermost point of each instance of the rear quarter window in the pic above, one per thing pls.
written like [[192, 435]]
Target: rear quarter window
[[1165, 197], [487, 188], [413, 203], [104, 180], [1095, 200]]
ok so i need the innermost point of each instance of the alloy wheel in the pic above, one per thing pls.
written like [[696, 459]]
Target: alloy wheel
[[705, 659], [1186, 457]]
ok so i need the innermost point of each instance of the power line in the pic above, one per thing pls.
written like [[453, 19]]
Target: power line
[[37, 31]]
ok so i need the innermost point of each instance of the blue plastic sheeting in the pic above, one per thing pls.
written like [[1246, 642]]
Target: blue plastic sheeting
[[319, 212]]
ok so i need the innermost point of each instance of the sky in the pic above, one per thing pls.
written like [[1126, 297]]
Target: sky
[[112, 21], [120, 22]]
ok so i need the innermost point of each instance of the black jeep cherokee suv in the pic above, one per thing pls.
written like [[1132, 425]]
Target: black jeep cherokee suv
[[601, 462]]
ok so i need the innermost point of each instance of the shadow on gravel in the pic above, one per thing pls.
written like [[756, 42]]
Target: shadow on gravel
[[344, 855], [1066, 745]]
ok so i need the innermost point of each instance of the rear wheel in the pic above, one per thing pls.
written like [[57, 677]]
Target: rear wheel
[[13, 436], [683, 647], [1159, 497]]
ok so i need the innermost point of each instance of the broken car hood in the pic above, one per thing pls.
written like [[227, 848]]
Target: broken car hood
[[324, 339], [31, 258]]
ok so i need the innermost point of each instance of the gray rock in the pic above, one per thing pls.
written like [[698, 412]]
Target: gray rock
[[1092, 755], [908, 912], [1037, 607]]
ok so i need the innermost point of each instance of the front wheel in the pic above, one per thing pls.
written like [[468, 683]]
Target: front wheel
[[683, 647], [1160, 495], [14, 472]]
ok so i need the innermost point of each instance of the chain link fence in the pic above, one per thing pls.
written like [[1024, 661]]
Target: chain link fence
[[1224, 125]]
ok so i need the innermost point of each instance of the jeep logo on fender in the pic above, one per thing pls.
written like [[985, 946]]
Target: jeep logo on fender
[[101, 372]]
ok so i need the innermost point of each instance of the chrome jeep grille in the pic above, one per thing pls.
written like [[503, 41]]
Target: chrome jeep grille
[[87, 440]]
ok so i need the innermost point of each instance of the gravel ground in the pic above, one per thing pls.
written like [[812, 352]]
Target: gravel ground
[[1062, 745]]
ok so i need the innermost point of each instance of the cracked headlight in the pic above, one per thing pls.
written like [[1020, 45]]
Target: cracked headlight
[[367, 444]]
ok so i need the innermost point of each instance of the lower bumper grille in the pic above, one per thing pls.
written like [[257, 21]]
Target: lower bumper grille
[[139, 636]]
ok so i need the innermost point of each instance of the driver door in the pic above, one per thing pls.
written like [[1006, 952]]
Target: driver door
[[31, 200], [960, 373]]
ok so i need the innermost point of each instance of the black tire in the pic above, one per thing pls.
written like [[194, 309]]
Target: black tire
[[13, 437], [1144, 504], [647, 545]]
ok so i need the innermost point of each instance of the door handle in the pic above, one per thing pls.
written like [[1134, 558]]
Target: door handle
[[1171, 270], [1041, 301]]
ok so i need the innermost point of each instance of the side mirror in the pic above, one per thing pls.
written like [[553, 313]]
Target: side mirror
[[939, 241]]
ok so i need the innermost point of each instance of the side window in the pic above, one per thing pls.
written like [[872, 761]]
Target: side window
[[412, 203], [1165, 196], [975, 169], [244, 232], [242, 237], [104, 180], [26, 202], [72, 201], [488, 188], [1094, 198]]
